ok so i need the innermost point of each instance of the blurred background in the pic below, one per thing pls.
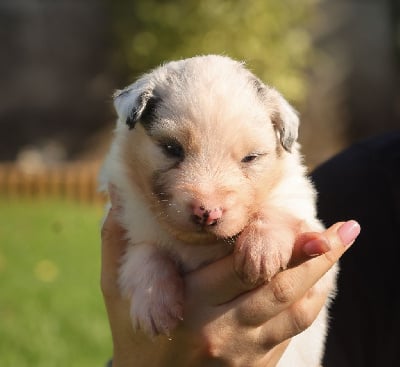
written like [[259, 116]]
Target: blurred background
[[336, 61]]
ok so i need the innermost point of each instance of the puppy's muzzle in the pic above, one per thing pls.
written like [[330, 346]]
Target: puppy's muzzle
[[205, 215]]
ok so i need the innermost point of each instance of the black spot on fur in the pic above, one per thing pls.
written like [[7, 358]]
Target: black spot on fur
[[149, 113], [131, 120], [145, 112]]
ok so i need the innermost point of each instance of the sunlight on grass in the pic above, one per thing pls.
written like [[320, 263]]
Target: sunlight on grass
[[51, 310]]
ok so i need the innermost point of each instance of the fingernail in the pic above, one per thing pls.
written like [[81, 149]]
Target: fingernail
[[349, 231], [316, 247]]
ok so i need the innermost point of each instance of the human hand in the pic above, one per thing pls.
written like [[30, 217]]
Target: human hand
[[226, 323]]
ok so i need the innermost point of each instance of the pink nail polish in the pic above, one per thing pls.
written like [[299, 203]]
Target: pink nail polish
[[349, 231]]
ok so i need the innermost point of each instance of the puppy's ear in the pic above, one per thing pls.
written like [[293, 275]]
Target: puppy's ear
[[136, 102], [285, 119], [283, 116]]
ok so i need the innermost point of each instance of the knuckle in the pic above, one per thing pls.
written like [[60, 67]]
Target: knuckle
[[270, 341], [282, 289], [216, 343], [301, 317], [248, 313], [331, 257], [211, 345]]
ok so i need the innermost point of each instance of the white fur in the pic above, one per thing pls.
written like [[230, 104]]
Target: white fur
[[202, 94]]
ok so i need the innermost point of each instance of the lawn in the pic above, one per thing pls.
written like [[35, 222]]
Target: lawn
[[51, 311]]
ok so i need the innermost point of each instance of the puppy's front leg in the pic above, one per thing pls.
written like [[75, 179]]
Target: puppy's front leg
[[265, 246], [152, 283]]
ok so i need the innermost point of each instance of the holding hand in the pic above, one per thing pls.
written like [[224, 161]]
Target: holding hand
[[225, 321]]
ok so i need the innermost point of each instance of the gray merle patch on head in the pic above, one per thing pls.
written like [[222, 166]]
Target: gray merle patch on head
[[259, 86], [145, 111]]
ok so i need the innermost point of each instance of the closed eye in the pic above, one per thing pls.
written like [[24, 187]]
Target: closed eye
[[251, 157]]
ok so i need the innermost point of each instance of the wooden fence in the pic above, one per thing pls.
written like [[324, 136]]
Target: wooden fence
[[71, 181]]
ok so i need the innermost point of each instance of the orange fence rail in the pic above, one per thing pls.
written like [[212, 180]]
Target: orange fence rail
[[71, 181]]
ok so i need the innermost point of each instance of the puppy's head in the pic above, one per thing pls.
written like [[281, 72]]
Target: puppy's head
[[205, 142]]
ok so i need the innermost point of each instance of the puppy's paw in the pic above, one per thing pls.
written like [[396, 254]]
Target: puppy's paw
[[158, 307], [152, 283], [261, 251]]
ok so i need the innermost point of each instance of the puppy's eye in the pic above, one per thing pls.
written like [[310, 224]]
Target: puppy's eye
[[173, 150], [249, 158]]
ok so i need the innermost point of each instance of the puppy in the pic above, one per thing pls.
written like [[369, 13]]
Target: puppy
[[205, 162]]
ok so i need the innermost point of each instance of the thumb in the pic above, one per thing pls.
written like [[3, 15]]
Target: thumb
[[311, 244]]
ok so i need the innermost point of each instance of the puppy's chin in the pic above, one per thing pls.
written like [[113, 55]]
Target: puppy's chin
[[201, 235]]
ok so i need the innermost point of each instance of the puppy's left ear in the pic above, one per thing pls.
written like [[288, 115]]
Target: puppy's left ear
[[283, 116], [285, 120]]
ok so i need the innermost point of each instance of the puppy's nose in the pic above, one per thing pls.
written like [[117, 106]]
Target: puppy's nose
[[205, 216]]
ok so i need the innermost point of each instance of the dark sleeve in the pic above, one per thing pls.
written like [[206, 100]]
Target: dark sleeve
[[363, 183]]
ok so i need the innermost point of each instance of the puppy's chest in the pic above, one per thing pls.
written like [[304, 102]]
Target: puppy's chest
[[188, 256]]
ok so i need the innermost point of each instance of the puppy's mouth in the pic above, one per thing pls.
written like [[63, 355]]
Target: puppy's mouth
[[202, 234], [215, 230], [201, 226]]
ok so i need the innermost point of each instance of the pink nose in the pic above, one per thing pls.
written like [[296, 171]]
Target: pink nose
[[206, 216]]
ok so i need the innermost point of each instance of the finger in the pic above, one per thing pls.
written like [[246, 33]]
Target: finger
[[292, 284], [308, 245], [293, 320], [219, 283], [215, 283], [113, 245]]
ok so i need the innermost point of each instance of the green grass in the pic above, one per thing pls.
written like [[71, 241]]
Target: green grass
[[51, 310]]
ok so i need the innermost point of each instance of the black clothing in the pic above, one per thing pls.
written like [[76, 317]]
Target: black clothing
[[363, 183]]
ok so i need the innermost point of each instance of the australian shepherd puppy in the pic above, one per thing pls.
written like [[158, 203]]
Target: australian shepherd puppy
[[205, 162]]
